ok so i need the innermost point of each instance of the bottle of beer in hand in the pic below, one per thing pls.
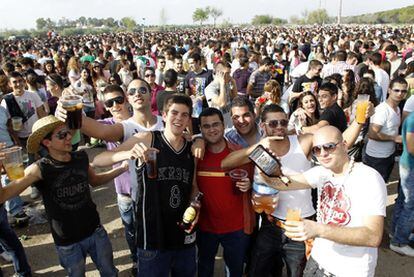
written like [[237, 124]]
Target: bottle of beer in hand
[[191, 212]]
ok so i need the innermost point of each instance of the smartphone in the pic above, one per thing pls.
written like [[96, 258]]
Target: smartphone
[[265, 161]]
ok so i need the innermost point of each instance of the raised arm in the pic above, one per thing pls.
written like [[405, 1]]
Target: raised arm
[[125, 151], [97, 179], [31, 175]]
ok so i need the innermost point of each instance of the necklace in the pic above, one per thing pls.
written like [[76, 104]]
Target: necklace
[[334, 198]]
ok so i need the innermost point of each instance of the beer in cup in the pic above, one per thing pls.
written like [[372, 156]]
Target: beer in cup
[[73, 105], [361, 108], [13, 162], [17, 123]]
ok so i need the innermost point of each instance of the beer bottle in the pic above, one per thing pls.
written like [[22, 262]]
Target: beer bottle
[[191, 212]]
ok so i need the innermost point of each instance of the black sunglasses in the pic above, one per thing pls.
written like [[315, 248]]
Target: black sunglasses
[[110, 102], [149, 75], [276, 122], [327, 147], [142, 90], [62, 134]]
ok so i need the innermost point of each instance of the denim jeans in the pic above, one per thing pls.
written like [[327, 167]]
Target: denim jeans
[[403, 217], [273, 249], [11, 244], [126, 210], [234, 251], [160, 263], [384, 166], [13, 205], [72, 257]]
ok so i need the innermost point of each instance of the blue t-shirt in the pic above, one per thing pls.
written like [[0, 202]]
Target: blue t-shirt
[[4, 133], [407, 159]]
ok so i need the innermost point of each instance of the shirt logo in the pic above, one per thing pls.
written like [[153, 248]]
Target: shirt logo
[[334, 205]]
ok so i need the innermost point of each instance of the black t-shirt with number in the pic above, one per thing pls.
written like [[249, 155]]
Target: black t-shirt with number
[[67, 198], [335, 116], [161, 202]]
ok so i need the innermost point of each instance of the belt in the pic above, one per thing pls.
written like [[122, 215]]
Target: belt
[[276, 221]]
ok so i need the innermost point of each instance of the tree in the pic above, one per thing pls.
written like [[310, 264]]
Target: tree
[[129, 23], [319, 16], [40, 23], [214, 13], [278, 21], [200, 15], [262, 19], [82, 21]]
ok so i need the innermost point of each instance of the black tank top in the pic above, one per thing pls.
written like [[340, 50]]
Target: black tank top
[[67, 198], [161, 202]]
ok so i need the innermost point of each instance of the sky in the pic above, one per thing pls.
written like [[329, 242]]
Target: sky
[[19, 14]]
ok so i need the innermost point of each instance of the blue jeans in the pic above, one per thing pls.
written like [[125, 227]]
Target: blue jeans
[[384, 166], [72, 257], [13, 205], [234, 251], [11, 244], [160, 263], [126, 209], [273, 249], [403, 217]]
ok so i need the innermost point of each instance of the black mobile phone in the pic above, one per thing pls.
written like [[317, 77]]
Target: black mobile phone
[[265, 161]]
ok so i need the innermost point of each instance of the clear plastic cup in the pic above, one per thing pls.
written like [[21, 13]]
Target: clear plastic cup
[[361, 108], [13, 163], [237, 175], [151, 164], [17, 123], [73, 106]]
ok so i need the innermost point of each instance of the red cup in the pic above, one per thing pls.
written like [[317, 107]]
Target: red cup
[[237, 175]]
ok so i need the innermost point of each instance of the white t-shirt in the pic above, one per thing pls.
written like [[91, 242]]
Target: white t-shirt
[[409, 104], [28, 103], [131, 128], [363, 194], [383, 80], [212, 90], [390, 121]]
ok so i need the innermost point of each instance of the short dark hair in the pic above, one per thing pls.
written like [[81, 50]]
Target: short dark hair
[[170, 77], [314, 64], [210, 112], [241, 101], [332, 88], [376, 58], [195, 56], [113, 88], [179, 98], [392, 48], [271, 108], [8, 67], [266, 61], [398, 80], [15, 74], [55, 78], [341, 55]]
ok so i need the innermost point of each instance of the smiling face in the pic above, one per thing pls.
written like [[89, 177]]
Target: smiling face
[[333, 150], [326, 99], [139, 100], [177, 118], [115, 98], [275, 124], [243, 119], [17, 84], [60, 140], [212, 128], [309, 104]]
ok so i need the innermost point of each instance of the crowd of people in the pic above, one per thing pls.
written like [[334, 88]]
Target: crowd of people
[[205, 100]]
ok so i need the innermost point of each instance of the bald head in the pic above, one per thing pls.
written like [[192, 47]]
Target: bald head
[[327, 134]]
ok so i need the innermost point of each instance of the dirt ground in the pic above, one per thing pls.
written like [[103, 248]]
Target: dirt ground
[[43, 259]]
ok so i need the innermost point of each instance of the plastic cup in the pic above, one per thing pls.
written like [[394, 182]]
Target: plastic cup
[[151, 164], [13, 163], [73, 105], [237, 175], [293, 214], [17, 123], [361, 108], [266, 203]]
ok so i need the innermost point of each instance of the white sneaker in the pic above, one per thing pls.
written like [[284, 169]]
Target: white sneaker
[[35, 193], [6, 256], [403, 250]]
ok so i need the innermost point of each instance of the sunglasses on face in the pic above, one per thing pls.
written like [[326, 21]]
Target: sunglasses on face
[[110, 102], [149, 75], [327, 147], [141, 90], [276, 122], [62, 134]]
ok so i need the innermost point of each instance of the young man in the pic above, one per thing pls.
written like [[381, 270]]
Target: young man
[[294, 153], [383, 130], [28, 106], [311, 81], [258, 79], [381, 77], [63, 178], [221, 91], [403, 217], [163, 247], [170, 81], [226, 216], [350, 215]]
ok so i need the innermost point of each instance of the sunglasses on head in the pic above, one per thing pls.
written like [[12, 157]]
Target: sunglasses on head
[[141, 90], [276, 122], [110, 102], [63, 134], [327, 147]]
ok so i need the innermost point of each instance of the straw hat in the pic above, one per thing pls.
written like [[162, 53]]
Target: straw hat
[[40, 129]]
